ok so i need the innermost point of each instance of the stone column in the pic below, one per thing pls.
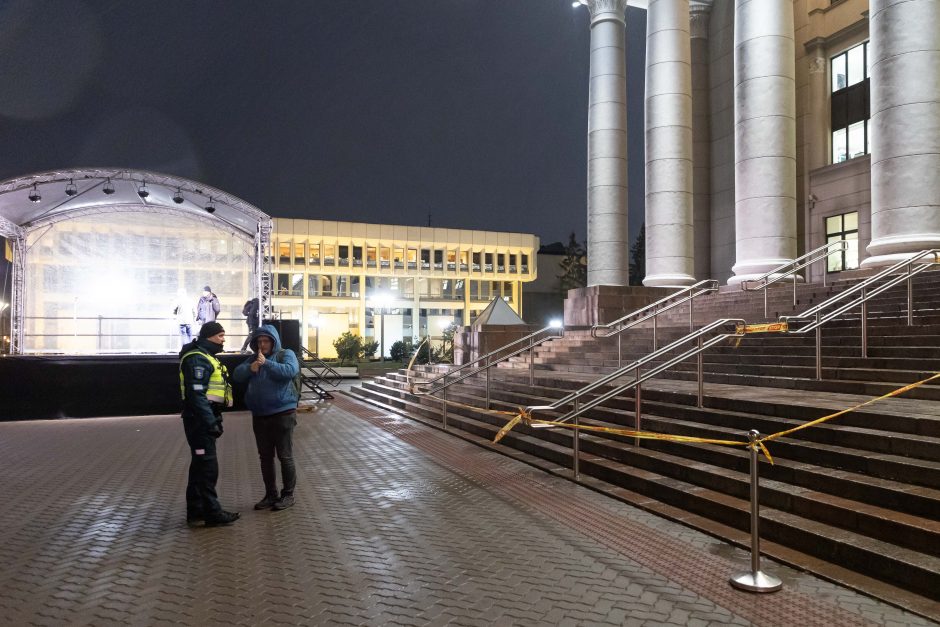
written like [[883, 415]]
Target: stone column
[[701, 139], [905, 128], [608, 245], [764, 137], [669, 235]]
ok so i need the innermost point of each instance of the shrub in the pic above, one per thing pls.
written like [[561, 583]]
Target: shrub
[[348, 347], [369, 348], [400, 350]]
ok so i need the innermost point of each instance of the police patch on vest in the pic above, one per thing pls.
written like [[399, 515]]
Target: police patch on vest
[[199, 372]]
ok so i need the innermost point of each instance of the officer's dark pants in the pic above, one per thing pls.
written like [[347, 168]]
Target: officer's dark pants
[[201, 497], [274, 435]]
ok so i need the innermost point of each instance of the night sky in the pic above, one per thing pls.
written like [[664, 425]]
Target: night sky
[[473, 111]]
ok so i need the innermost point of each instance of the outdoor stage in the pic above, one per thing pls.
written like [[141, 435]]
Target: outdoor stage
[[34, 387]]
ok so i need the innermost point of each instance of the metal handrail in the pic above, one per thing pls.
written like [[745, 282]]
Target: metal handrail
[[488, 364], [819, 318], [308, 356], [650, 312], [778, 273]]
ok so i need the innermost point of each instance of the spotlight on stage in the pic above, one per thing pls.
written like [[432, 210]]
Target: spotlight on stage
[[108, 188], [210, 208], [70, 189], [142, 191], [35, 196], [178, 196]]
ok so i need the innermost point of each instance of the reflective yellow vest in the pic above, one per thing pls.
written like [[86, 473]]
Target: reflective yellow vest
[[219, 390]]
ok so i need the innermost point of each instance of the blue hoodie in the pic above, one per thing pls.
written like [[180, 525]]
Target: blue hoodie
[[271, 389]]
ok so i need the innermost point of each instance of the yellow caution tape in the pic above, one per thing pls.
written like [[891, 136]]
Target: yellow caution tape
[[523, 416], [770, 327]]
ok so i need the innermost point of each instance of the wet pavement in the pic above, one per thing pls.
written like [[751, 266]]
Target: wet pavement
[[395, 523]]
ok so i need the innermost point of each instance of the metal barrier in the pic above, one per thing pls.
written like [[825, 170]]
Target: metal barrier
[[528, 344], [314, 370], [791, 268], [866, 290], [652, 311]]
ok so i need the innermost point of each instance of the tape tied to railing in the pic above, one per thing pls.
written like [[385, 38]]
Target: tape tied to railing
[[525, 417]]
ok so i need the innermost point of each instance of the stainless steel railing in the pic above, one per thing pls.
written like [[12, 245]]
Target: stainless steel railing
[[692, 345], [790, 269], [858, 295], [652, 311], [527, 343]]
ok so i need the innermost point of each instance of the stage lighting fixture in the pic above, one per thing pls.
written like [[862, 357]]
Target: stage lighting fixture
[[35, 196], [70, 189], [108, 188], [142, 191], [210, 208], [178, 196]]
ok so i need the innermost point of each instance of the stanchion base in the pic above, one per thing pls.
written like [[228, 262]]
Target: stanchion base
[[756, 582]]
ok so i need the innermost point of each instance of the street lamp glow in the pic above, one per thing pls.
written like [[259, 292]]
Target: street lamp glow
[[556, 324], [446, 324], [3, 305]]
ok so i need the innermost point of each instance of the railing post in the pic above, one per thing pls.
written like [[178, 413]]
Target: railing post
[[638, 404], [765, 299], [755, 580], [794, 288], [655, 325], [910, 297], [691, 315], [100, 322], [487, 364], [444, 405], [864, 325], [619, 349], [818, 349], [531, 361], [701, 376], [576, 444]]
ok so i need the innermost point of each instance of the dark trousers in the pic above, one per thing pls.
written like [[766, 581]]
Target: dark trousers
[[251, 329], [274, 435], [201, 497]]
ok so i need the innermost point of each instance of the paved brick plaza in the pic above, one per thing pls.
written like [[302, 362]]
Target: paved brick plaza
[[396, 523]]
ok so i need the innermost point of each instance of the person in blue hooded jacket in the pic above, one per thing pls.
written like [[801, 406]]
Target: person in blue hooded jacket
[[272, 399]]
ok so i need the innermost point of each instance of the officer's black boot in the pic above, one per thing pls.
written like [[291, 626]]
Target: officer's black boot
[[221, 518]]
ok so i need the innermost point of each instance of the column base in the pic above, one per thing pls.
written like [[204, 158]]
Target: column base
[[668, 280], [887, 251], [600, 304], [755, 269]]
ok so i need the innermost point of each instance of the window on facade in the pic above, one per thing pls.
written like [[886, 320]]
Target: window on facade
[[314, 251], [451, 259], [326, 285], [845, 227], [313, 285], [283, 284], [512, 263], [300, 256], [500, 262], [283, 254], [488, 262], [850, 104], [476, 262], [425, 259], [354, 286], [370, 256], [438, 259], [385, 257], [343, 255], [357, 256], [459, 289], [329, 255], [464, 255], [297, 284], [525, 263], [399, 258], [412, 258], [342, 285]]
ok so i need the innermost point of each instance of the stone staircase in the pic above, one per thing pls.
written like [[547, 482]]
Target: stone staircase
[[856, 500]]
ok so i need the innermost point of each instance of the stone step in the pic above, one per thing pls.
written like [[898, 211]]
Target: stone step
[[890, 562]]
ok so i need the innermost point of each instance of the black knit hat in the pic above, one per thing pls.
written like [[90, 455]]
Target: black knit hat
[[209, 329]]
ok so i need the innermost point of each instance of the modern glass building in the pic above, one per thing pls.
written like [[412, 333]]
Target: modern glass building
[[411, 281]]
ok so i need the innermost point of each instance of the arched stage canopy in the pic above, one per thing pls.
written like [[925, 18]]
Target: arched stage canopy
[[39, 201]]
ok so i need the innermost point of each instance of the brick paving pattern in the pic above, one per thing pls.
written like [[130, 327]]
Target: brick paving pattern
[[396, 524]]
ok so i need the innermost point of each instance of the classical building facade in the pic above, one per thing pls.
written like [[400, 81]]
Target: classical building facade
[[411, 281], [772, 128]]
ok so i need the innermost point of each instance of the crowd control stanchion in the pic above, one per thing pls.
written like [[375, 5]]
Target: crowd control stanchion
[[754, 580]]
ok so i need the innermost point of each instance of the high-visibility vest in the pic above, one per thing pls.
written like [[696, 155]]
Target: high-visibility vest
[[219, 389]]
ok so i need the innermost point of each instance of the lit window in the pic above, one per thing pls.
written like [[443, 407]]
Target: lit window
[[850, 108], [844, 226]]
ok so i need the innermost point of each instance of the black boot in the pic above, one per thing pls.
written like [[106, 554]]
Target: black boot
[[267, 502], [221, 518]]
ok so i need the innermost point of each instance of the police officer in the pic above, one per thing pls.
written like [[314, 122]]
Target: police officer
[[206, 392]]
